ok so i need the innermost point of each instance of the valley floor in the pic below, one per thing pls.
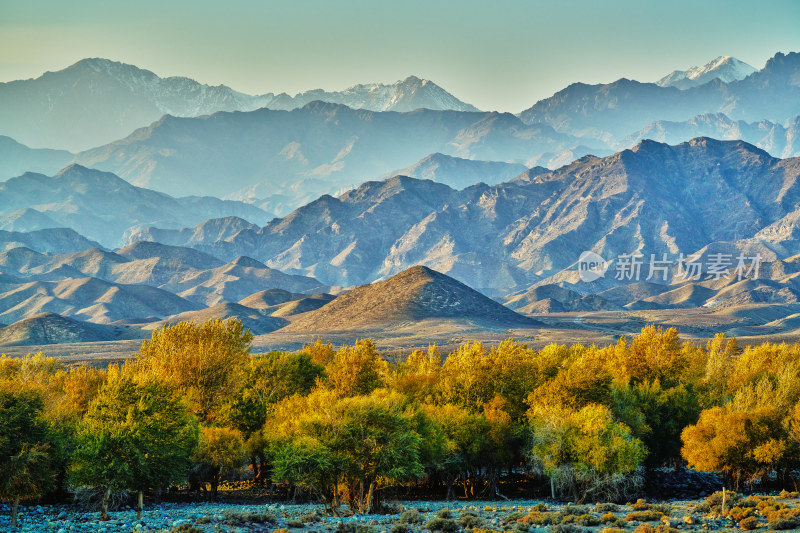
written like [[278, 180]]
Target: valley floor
[[514, 516], [751, 324]]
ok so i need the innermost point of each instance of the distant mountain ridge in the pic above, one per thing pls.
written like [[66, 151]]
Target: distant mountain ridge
[[404, 95], [321, 148], [96, 101], [723, 68], [609, 112], [16, 159], [104, 207]]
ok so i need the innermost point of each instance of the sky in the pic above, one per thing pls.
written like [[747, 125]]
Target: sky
[[497, 55]]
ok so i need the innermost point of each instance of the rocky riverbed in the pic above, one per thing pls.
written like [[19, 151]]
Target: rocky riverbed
[[518, 516]]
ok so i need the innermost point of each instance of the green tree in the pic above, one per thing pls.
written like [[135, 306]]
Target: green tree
[[369, 441], [266, 380], [222, 452], [135, 436], [584, 451], [25, 459]]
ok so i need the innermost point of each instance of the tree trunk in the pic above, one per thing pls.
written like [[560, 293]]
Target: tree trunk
[[335, 499], [361, 495], [104, 508], [451, 493], [215, 485], [139, 504], [14, 511], [372, 501], [552, 488]]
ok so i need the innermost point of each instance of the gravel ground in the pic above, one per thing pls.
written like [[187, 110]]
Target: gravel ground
[[502, 516]]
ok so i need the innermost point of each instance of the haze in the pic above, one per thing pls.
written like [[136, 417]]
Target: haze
[[503, 55]]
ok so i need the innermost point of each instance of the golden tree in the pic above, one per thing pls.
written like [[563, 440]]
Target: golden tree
[[200, 360]]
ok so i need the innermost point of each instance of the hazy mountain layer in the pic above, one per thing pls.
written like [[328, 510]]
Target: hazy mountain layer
[[96, 101], [16, 159], [778, 140], [320, 148], [103, 207], [612, 111]]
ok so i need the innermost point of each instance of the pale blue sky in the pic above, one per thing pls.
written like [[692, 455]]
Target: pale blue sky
[[498, 54]]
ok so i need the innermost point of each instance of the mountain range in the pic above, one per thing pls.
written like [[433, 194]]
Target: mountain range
[[103, 207], [723, 68], [385, 208], [610, 112], [96, 101], [317, 149], [654, 198]]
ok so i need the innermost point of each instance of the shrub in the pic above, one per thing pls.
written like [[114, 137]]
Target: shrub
[[539, 507], [470, 520], [644, 516], [513, 517], [295, 523], [649, 528], [748, 524], [740, 513], [400, 527], [713, 503], [605, 507], [613, 530], [640, 505], [233, 518], [781, 524], [353, 528], [537, 518], [566, 528], [575, 509], [786, 494], [412, 516], [445, 525], [608, 518], [782, 513], [309, 518], [185, 528], [444, 513], [587, 520]]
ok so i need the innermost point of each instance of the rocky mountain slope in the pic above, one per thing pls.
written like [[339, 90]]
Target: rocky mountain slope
[[654, 198], [50, 240], [50, 328], [88, 299]]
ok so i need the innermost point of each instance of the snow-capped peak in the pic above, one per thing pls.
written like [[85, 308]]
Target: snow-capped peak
[[724, 68]]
